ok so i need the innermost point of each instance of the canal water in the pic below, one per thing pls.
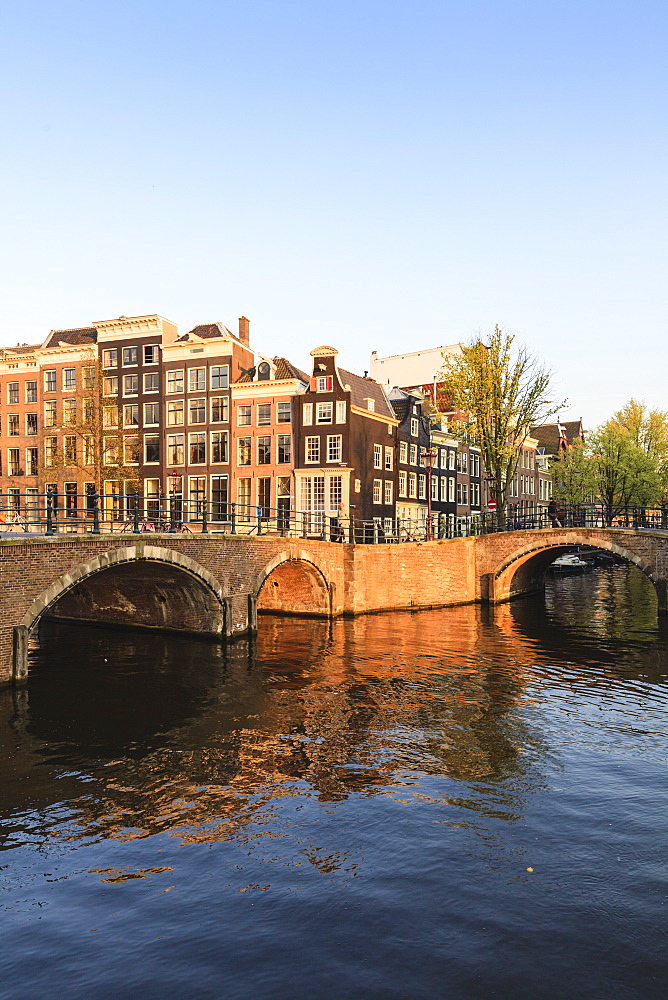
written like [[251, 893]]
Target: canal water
[[460, 804]]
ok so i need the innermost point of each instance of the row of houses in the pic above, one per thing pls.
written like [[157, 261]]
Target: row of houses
[[130, 406]]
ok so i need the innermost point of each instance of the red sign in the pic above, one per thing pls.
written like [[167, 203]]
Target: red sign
[[491, 504]]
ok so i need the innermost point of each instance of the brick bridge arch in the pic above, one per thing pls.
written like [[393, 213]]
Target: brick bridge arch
[[515, 563], [153, 587], [294, 583]]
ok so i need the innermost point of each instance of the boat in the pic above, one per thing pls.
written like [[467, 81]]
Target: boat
[[569, 563]]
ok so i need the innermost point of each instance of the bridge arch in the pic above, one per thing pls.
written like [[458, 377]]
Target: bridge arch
[[293, 583], [147, 586], [523, 571]]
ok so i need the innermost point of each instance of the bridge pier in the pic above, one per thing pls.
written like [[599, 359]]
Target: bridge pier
[[661, 586]]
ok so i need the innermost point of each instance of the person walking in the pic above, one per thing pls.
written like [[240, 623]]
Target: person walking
[[553, 514]]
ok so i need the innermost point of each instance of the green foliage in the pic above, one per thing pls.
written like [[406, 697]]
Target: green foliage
[[503, 392], [574, 478]]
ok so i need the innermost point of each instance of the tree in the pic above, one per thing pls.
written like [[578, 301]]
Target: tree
[[574, 478], [647, 429], [625, 474], [503, 392]]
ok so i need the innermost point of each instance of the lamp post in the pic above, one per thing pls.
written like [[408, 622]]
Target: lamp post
[[429, 459]]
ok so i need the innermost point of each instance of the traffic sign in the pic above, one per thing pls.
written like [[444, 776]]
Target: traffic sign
[[491, 504]]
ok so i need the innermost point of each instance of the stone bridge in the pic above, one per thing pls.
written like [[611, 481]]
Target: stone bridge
[[214, 585]]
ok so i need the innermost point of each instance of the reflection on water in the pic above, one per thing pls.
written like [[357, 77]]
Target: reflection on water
[[447, 803]]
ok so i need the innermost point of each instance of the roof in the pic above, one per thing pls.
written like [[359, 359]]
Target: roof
[[206, 331], [401, 408], [76, 337], [550, 435], [283, 370], [366, 388], [20, 349]]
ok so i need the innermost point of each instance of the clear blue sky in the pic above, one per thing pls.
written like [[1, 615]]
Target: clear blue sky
[[367, 174]]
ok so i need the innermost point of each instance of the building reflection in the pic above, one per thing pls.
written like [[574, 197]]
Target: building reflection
[[138, 735]]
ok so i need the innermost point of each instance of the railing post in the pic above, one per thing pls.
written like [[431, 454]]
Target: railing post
[[172, 517], [205, 526], [259, 519], [96, 514], [49, 514], [233, 519], [135, 519]]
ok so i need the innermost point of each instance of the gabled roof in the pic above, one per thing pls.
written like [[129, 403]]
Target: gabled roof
[[20, 349], [553, 437], [283, 370], [366, 388], [206, 331], [74, 338]]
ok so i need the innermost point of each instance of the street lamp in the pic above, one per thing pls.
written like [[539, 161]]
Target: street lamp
[[429, 459]]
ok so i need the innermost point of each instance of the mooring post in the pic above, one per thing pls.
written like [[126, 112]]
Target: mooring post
[[20, 654], [252, 613]]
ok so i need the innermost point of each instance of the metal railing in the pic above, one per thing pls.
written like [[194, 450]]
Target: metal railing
[[51, 514]]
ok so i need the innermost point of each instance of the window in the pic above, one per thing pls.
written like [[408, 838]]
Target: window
[[341, 411], [475, 494], [465, 462], [284, 454], [244, 451], [151, 354], [413, 454], [13, 461], [131, 415], [13, 424], [444, 458], [244, 416], [264, 449], [312, 449], [151, 413], [412, 485], [175, 413], [323, 413], [69, 379], [451, 459], [197, 449], [434, 487], [283, 414], [110, 358], [110, 416], [31, 392], [219, 498], [175, 444], [88, 410], [49, 381], [219, 376], [377, 490], [50, 451], [377, 456], [335, 492], [130, 356], [444, 490], [307, 414], [402, 483], [69, 412], [197, 408], [243, 498], [88, 449], [389, 459], [403, 452], [110, 385], [263, 414], [12, 393], [175, 381], [197, 380], [219, 452], [264, 496], [371, 404], [220, 409], [50, 413], [130, 385], [414, 427], [131, 450], [451, 491], [151, 382], [32, 460], [323, 383], [70, 449], [422, 487], [388, 490], [334, 447]]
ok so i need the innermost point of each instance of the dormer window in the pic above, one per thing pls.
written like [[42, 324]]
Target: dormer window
[[323, 383], [370, 404]]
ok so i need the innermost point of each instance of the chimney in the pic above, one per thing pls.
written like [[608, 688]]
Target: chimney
[[244, 333]]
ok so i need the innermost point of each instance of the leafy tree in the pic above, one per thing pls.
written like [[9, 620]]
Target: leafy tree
[[574, 478], [626, 475], [647, 429], [503, 392]]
